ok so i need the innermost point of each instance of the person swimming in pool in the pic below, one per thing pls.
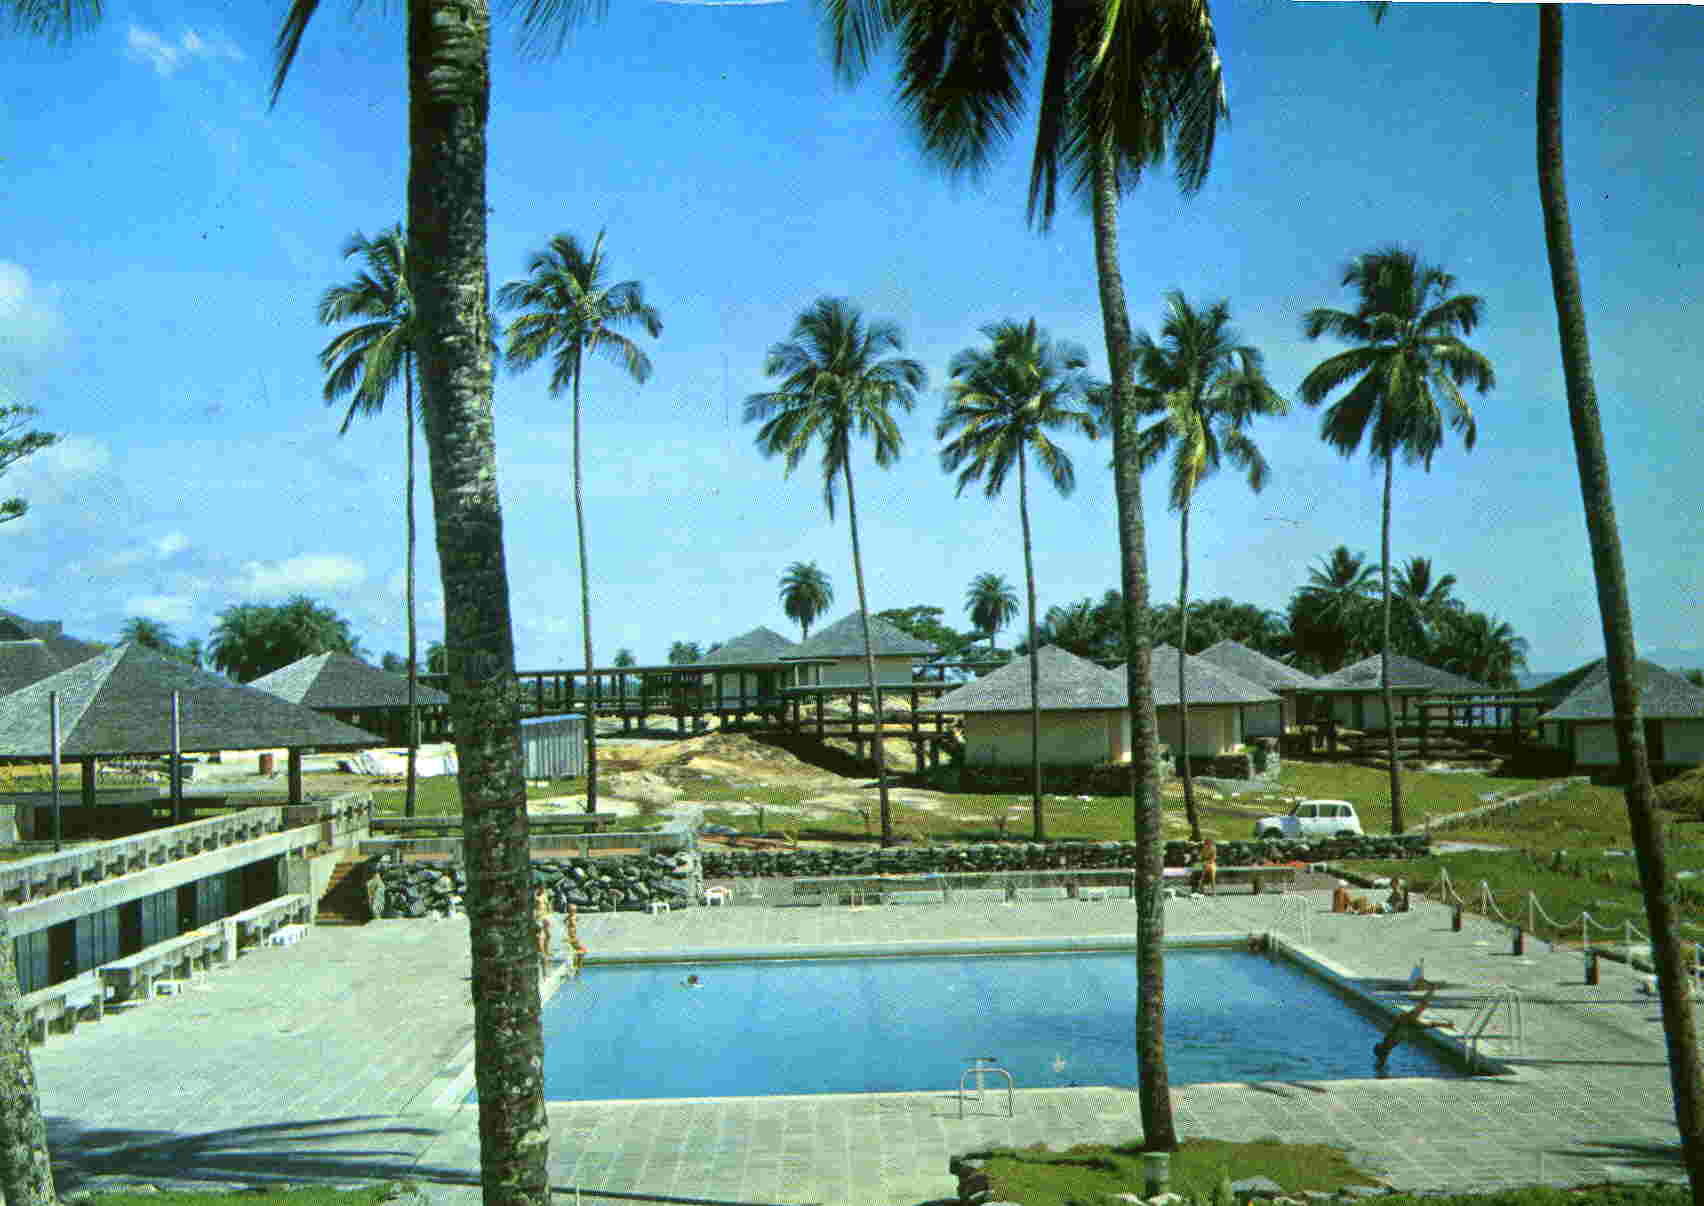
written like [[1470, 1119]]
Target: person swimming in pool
[[692, 981]]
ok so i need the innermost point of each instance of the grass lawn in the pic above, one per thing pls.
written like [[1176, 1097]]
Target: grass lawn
[[440, 796], [1093, 1172], [1424, 794], [306, 1195]]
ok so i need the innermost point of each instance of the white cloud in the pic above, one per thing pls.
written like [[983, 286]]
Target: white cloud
[[166, 609], [146, 46], [49, 475], [309, 572], [30, 324], [170, 544]]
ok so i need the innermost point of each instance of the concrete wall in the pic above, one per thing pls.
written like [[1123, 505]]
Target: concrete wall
[[1214, 729], [1594, 744], [1683, 741], [1067, 738], [1370, 712], [852, 672]]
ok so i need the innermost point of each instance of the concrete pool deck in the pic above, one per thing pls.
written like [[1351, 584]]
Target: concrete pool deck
[[330, 1060]]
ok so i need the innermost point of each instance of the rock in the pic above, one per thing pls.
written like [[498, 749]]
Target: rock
[[960, 1165], [642, 787], [1362, 1191], [1256, 1187], [1167, 1198]]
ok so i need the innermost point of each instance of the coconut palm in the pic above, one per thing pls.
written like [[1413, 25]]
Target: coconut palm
[[1002, 402], [1331, 615], [1480, 647], [1123, 85], [684, 653], [571, 310], [364, 362], [1686, 1072], [1210, 387], [805, 594], [449, 95], [252, 639], [1423, 604], [991, 603], [1407, 367], [834, 379], [150, 634]]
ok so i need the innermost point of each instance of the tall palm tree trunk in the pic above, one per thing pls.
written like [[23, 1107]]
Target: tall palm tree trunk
[[1035, 662], [449, 99], [1182, 685], [869, 658], [26, 1172], [1384, 666], [408, 579], [1153, 1088], [585, 604], [1656, 882]]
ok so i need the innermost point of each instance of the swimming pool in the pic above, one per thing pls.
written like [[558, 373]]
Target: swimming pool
[[878, 1025]]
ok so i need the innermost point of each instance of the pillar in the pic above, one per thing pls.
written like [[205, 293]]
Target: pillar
[[87, 766], [295, 776], [819, 715]]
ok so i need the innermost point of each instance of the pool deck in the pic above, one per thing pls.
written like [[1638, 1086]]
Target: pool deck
[[295, 1065]]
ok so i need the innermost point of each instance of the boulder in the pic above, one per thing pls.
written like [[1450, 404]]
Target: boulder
[[1256, 1187]]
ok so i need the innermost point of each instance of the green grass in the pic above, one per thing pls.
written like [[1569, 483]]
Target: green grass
[[440, 796], [1424, 794], [307, 1195], [1090, 1173]]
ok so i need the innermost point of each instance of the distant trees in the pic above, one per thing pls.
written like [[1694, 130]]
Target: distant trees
[[684, 653], [18, 441], [806, 594], [151, 634], [252, 639]]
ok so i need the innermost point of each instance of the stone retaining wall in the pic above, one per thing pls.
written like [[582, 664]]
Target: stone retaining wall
[[592, 885], [1039, 856]]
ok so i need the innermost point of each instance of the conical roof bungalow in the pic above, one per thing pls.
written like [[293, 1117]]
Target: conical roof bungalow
[[1084, 718], [1218, 700], [841, 645], [1580, 719], [1287, 682], [348, 689], [25, 662], [755, 671], [1356, 698]]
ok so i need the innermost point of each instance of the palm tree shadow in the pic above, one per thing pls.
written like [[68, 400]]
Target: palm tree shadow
[[356, 1148], [1647, 1155]]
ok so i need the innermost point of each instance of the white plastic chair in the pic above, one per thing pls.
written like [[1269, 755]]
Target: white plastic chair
[[717, 895]]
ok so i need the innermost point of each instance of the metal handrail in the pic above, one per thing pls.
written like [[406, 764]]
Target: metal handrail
[[1302, 907], [984, 1065], [1509, 997]]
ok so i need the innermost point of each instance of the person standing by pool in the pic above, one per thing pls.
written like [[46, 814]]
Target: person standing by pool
[[1209, 866], [541, 919]]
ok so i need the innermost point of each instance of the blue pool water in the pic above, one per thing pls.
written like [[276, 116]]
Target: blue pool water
[[899, 1024]]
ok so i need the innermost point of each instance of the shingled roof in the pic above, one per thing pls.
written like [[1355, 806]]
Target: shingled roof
[[67, 651], [1583, 694], [1068, 683], [120, 702], [845, 638], [336, 680], [759, 645], [1207, 683], [25, 662], [1405, 673], [1256, 667]]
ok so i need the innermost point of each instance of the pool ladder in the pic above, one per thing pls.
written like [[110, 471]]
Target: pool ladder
[[980, 1067], [1508, 998]]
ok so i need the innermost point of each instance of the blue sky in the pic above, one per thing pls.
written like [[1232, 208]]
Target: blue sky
[[166, 237]]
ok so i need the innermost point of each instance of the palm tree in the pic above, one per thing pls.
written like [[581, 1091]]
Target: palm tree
[[150, 634], [437, 658], [991, 603], [1210, 387], [364, 363], [449, 98], [1330, 615], [683, 653], [1674, 988], [805, 594], [571, 310], [833, 379], [1407, 365], [1424, 605], [1124, 84], [1002, 402], [252, 639], [1480, 647]]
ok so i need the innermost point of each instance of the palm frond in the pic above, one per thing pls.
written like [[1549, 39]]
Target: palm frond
[[962, 73], [545, 24], [289, 41]]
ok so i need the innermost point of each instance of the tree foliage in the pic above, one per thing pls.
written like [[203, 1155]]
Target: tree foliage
[[806, 593], [684, 653], [252, 639], [17, 442]]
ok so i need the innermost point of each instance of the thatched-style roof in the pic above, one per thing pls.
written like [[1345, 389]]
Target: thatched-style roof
[[67, 651], [1256, 667], [1068, 684], [845, 638], [25, 662], [759, 645], [1207, 683], [120, 702], [336, 680], [1583, 694], [1406, 674]]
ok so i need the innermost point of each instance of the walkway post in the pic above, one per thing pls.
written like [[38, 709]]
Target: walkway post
[[53, 737], [175, 770]]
